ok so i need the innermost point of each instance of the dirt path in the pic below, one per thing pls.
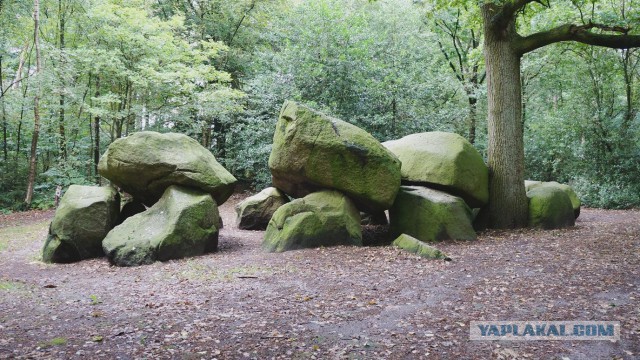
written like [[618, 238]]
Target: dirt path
[[369, 303]]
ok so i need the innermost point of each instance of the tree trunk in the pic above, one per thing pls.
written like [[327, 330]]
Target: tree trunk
[[473, 116], [96, 139], [508, 205], [25, 88], [4, 117], [629, 114], [36, 110], [63, 139], [220, 131]]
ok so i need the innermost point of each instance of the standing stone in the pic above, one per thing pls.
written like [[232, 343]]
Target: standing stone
[[324, 218], [443, 161], [146, 163], [84, 217], [255, 212], [430, 215], [184, 222], [312, 151]]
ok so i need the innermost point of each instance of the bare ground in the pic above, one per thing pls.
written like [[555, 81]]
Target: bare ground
[[342, 302]]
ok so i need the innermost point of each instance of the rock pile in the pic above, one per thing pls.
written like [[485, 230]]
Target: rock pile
[[444, 177], [336, 169], [433, 185], [180, 181]]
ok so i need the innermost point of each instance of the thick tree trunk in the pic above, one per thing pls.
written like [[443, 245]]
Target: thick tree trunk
[[508, 205], [36, 110]]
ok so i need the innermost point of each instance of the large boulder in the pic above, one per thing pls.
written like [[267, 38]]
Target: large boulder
[[430, 215], [146, 163], [84, 217], [415, 246], [443, 161], [255, 211], [575, 200], [184, 222], [324, 218], [312, 151], [550, 208]]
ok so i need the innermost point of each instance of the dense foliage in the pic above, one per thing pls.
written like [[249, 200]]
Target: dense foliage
[[219, 71]]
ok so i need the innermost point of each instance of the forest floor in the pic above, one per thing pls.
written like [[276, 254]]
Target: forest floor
[[330, 303]]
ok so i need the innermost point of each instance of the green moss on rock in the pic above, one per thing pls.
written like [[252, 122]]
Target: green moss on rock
[[575, 200], [146, 163], [445, 161], [312, 151], [324, 218], [415, 246], [550, 208], [184, 222], [430, 215], [255, 212], [84, 217]]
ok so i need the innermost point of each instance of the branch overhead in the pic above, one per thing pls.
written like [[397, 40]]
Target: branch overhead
[[581, 34]]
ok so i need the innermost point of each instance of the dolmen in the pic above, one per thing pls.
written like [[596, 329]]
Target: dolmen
[[176, 187], [432, 185]]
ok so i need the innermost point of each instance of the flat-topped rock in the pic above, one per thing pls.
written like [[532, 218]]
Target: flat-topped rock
[[146, 163]]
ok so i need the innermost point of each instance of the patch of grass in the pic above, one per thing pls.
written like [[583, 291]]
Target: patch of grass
[[10, 286], [57, 341], [16, 237], [95, 300]]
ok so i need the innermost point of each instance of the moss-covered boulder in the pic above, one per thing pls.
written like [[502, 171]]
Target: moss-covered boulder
[[415, 246], [575, 200], [312, 151], [430, 215], [550, 208], [443, 161], [146, 163], [255, 212], [184, 222], [84, 217], [324, 218]]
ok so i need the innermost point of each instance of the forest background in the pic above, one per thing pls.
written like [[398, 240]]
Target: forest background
[[86, 72]]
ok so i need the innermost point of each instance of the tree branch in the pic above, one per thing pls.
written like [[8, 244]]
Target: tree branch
[[510, 9], [581, 34]]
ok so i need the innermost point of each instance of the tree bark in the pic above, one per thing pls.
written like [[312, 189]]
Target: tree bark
[[473, 116], [4, 117], [628, 68], [508, 205], [62, 144], [96, 139], [36, 110]]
